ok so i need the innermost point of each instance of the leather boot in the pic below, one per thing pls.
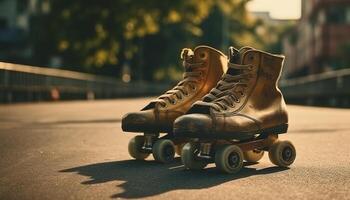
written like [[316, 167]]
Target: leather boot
[[203, 68], [245, 102]]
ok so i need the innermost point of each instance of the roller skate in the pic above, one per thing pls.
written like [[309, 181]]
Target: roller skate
[[240, 118], [203, 68]]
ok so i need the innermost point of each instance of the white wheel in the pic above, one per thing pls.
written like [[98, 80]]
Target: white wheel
[[163, 151], [229, 158], [253, 155], [178, 148], [135, 147], [188, 157], [282, 153]]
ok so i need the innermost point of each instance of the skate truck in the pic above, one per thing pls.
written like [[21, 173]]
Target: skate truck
[[228, 153]]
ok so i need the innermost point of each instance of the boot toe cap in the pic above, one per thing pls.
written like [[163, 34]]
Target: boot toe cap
[[134, 121], [193, 124]]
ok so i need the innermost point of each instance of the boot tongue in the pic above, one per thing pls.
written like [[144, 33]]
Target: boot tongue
[[235, 57], [187, 57]]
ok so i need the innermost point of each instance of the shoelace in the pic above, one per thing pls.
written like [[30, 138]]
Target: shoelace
[[225, 94], [190, 79]]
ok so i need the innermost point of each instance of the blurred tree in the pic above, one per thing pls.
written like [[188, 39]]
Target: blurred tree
[[274, 35], [103, 36]]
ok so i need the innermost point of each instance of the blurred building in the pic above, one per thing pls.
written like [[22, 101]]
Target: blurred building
[[320, 41], [267, 19], [13, 30], [15, 24]]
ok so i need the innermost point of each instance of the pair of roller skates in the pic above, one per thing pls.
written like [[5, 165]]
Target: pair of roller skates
[[225, 110]]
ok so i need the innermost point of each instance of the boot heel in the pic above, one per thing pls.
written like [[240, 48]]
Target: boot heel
[[276, 130], [279, 129]]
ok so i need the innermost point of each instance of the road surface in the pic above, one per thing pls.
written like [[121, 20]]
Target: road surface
[[77, 150]]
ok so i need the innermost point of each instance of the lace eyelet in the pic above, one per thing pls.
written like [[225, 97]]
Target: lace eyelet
[[237, 101], [173, 102], [203, 55], [251, 56], [194, 88]]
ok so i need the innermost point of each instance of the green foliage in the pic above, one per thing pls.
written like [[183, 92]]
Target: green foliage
[[102, 36]]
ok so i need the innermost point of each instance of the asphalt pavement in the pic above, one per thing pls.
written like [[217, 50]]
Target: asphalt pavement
[[77, 150]]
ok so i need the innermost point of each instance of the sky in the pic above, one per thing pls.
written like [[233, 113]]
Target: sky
[[279, 9]]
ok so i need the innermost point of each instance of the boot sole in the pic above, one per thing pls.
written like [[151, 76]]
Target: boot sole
[[143, 128], [242, 135]]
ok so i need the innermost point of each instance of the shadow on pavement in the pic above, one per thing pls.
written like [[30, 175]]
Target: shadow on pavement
[[148, 178]]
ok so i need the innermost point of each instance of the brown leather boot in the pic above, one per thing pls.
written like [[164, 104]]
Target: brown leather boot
[[203, 68], [245, 102]]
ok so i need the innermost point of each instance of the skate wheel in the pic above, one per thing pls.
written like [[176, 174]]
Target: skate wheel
[[282, 153], [135, 147], [163, 151], [178, 148], [253, 155], [188, 157], [229, 158]]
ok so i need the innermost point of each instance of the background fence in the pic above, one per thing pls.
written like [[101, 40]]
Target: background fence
[[326, 89], [20, 83]]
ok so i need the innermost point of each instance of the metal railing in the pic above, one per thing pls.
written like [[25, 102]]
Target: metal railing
[[19, 83], [329, 88]]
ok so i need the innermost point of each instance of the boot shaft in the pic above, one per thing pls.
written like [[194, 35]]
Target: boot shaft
[[203, 68], [264, 100], [266, 70]]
